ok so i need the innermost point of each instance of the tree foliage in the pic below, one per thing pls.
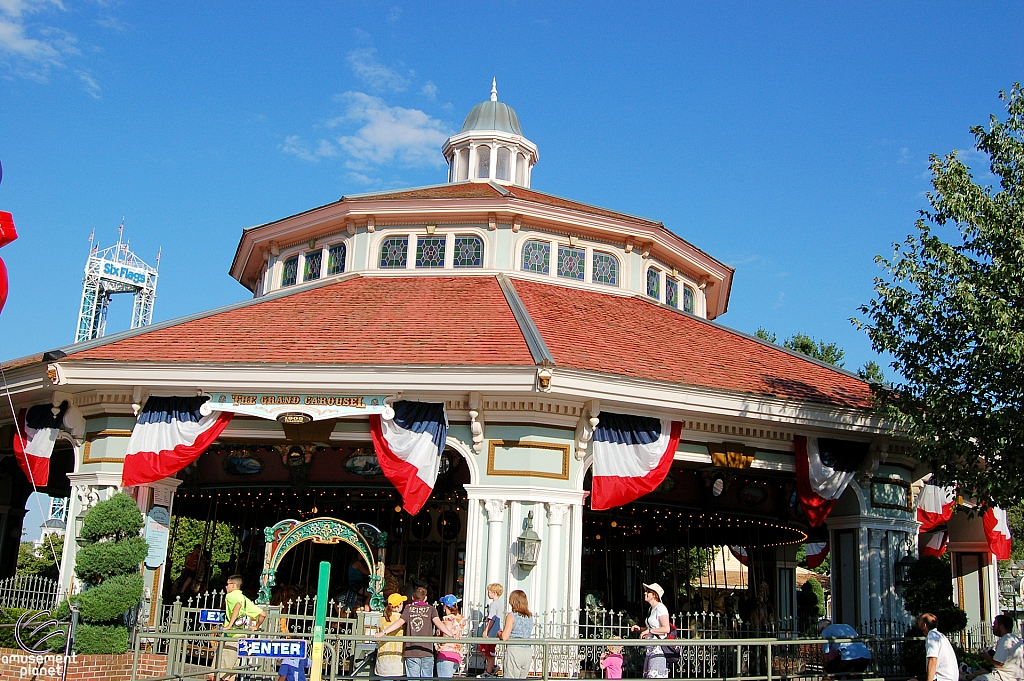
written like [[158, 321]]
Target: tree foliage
[[951, 315], [871, 372], [829, 353], [929, 589], [109, 566], [39, 560], [189, 533]]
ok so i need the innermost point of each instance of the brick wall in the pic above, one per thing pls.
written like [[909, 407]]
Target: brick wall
[[14, 666]]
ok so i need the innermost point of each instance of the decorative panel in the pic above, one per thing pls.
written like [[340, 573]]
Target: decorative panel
[[606, 269], [336, 259], [528, 459], [671, 292], [688, 300], [312, 269], [654, 283], [291, 271]]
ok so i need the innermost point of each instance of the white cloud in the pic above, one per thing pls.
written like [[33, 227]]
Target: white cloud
[[388, 134], [114, 24], [379, 77], [296, 146], [90, 84], [429, 91], [31, 49]]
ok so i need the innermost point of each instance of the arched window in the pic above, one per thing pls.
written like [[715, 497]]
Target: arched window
[[689, 300], [671, 292], [291, 271], [537, 256], [463, 169], [336, 259], [520, 170], [654, 283], [483, 162], [501, 171], [312, 269], [430, 251], [394, 253], [606, 269], [571, 262], [469, 251]]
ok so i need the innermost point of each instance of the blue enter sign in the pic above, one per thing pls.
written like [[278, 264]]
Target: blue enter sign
[[262, 647]]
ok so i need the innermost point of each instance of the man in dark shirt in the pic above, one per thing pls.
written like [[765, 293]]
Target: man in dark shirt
[[420, 619]]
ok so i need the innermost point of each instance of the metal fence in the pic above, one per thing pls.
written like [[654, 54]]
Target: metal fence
[[31, 592], [350, 655], [569, 643]]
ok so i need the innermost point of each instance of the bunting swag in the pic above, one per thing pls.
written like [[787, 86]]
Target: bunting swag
[[997, 531], [934, 543], [816, 553], [935, 506], [169, 434], [34, 439], [409, 448], [740, 554], [632, 456], [823, 470]]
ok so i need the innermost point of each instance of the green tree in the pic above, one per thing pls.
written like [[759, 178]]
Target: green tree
[[929, 589], [871, 372], [765, 335], [830, 353], [189, 533], [33, 560], [824, 568], [951, 315]]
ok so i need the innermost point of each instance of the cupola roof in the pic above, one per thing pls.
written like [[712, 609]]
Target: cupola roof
[[493, 115]]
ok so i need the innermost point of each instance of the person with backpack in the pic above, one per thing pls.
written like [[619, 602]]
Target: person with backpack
[[657, 626]]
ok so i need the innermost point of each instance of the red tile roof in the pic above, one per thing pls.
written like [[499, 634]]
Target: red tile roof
[[363, 320], [638, 338], [467, 321]]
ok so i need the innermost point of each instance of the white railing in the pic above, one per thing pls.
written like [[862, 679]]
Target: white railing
[[31, 592]]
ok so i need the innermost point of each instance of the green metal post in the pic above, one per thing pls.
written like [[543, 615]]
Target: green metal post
[[319, 622]]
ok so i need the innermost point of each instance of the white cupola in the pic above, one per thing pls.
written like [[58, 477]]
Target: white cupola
[[491, 147]]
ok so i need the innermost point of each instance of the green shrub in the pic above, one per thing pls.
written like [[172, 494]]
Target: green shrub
[[92, 639], [96, 562], [111, 599], [929, 588], [110, 563], [116, 518]]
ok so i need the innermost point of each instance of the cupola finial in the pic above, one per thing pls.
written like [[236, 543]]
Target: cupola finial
[[494, 90]]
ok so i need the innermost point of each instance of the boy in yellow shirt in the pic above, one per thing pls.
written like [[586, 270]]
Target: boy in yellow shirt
[[238, 612]]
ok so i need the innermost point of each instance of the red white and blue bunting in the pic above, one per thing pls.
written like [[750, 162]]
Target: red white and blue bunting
[[934, 543], [632, 456], [997, 531], [822, 476], [935, 506], [816, 553], [170, 433], [409, 448], [36, 434]]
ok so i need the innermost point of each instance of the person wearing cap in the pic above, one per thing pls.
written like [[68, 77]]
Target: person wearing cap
[[657, 626], [389, 655], [449, 654], [419, 619]]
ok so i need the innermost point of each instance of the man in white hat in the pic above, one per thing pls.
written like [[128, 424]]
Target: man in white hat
[[658, 626]]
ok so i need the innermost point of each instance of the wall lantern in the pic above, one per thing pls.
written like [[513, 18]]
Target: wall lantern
[[528, 546], [79, 524], [902, 569]]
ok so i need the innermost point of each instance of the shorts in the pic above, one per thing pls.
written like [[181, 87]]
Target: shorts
[[488, 649]]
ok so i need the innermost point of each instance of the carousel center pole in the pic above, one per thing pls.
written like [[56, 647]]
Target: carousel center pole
[[319, 621]]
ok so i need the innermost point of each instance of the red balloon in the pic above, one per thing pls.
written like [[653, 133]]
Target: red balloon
[[3, 284]]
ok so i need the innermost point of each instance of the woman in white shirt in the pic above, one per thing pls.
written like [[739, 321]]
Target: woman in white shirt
[[657, 626]]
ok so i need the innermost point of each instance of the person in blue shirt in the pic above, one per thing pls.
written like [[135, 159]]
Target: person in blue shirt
[[843, 658], [293, 670]]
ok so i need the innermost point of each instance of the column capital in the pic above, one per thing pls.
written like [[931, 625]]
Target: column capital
[[556, 513], [495, 509]]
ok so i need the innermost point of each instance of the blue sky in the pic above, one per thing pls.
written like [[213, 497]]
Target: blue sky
[[788, 140]]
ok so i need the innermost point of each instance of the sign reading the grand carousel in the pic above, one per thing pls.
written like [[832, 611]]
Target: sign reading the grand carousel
[[297, 408]]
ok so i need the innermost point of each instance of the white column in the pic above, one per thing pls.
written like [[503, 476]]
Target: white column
[[495, 509], [471, 170], [494, 161], [875, 573], [556, 515]]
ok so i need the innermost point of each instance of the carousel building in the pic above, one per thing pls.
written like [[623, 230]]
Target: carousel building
[[527, 316]]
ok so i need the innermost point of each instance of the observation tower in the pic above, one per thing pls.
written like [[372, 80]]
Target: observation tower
[[108, 272]]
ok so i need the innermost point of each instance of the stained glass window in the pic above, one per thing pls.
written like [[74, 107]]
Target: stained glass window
[[394, 252], [430, 251], [671, 292], [537, 256], [571, 262], [336, 259], [688, 299], [654, 283], [463, 171], [291, 271], [469, 251], [312, 269], [606, 269]]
